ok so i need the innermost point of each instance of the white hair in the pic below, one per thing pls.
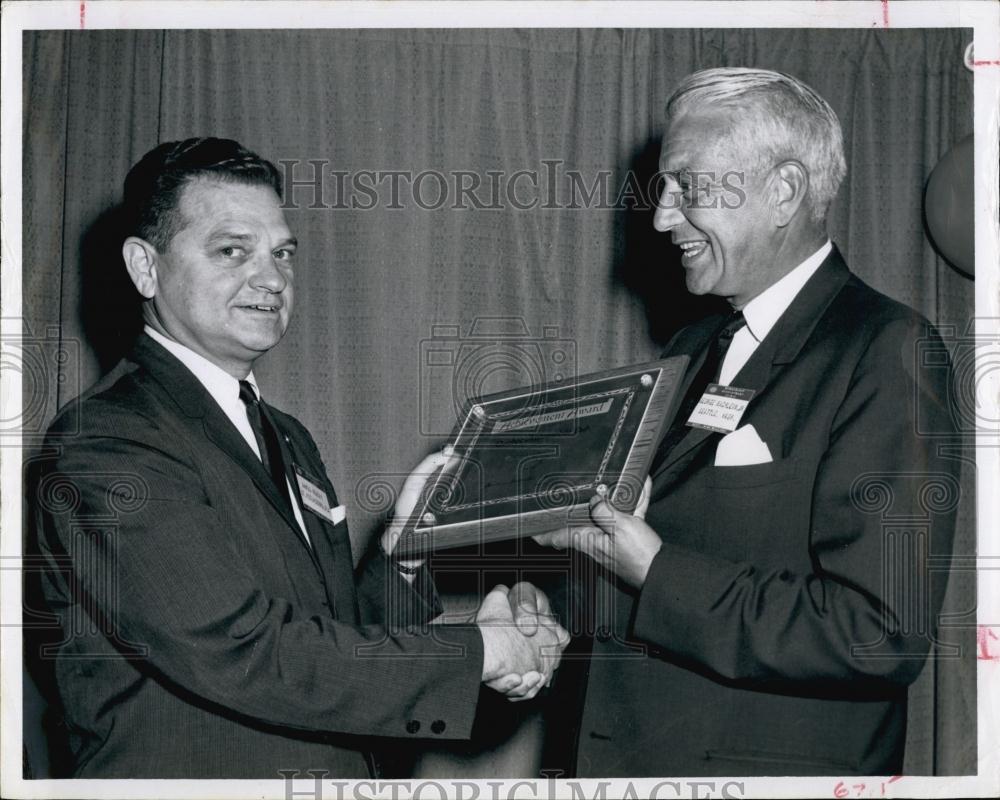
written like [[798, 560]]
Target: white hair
[[779, 118]]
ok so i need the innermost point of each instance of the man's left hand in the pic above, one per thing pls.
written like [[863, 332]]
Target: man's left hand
[[622, 543], [410, 495], [531, 610]]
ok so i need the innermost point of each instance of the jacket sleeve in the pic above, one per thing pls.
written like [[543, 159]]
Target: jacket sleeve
[[384, 594], [167, 576], [865, 612]]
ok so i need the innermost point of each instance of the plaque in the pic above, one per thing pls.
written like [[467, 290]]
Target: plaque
[[528, 460]]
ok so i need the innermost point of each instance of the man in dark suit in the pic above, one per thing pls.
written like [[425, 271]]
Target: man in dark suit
[[196, 553], [768, 613]]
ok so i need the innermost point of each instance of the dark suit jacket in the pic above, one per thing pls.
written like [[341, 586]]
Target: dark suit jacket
[[791, 602], [201, 636]]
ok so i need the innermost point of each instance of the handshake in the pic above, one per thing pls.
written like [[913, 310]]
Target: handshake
[[522, 641]]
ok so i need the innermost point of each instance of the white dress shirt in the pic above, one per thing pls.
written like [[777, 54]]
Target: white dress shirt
[[225, 390], [765, 310]]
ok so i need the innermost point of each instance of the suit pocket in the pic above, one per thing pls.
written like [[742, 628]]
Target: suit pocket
[[760, 512], [748, 476], [774, 763], [336, 534]]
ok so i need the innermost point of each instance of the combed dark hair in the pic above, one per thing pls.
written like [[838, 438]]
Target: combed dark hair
[[153, 186]]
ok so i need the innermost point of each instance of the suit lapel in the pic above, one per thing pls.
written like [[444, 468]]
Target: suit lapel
[[228, 439], [332, 551], [755, 374], [795, 326], [781, 346], [696, 346], [195, 401]]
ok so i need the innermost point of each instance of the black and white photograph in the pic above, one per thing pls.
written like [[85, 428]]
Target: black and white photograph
[[500, 400]]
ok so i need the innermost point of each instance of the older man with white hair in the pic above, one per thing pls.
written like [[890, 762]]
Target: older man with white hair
[[768, 614]]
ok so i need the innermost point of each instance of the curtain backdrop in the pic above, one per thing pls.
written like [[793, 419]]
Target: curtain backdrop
[[379, 291]]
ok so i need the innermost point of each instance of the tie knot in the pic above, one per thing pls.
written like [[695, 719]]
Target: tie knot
[[247, 394], [734, 322]]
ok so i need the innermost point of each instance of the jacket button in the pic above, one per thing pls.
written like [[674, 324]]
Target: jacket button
[[413, 726], [438, 726], [604, 634]]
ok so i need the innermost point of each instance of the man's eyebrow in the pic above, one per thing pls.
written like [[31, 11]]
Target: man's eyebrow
[[230, 235]]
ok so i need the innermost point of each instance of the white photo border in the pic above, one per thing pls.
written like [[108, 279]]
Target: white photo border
[[983, 16]]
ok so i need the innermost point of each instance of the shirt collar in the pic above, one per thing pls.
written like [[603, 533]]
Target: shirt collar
[[223, 387], [765, 309]]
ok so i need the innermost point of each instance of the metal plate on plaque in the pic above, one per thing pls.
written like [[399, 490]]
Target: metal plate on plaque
[[528, 460]]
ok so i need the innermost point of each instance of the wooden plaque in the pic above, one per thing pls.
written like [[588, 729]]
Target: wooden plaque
[[527, 459]]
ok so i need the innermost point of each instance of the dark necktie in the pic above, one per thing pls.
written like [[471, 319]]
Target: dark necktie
[[267, 439], [708, 373]]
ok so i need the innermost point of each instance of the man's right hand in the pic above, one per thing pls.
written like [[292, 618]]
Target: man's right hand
[[520, 654]]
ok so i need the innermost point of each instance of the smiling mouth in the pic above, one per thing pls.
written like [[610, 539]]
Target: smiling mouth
[[691, 250], [268, 309]]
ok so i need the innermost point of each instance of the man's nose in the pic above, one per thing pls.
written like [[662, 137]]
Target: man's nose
[[668, 209], [268, 275]]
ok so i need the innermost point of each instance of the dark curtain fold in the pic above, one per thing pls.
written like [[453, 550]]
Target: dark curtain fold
[[378, 288]]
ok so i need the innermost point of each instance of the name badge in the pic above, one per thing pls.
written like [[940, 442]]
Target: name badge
[[313, 497], [720, 408]]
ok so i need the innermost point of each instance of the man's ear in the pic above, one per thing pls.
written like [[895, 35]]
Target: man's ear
[[141, 261], [791, 186]]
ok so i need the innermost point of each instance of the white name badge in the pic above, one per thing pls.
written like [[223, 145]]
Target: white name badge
[[720, 408], [313, 497]]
